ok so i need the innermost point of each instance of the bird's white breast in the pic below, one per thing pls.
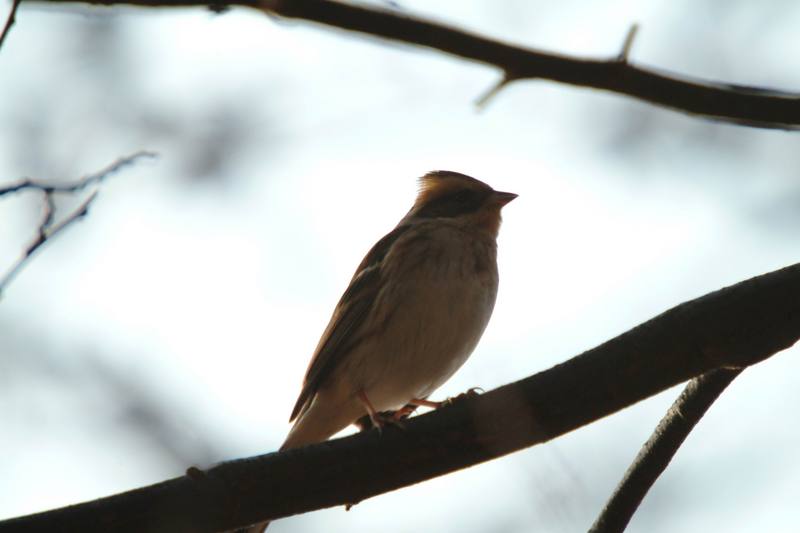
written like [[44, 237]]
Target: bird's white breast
[[436, 299]]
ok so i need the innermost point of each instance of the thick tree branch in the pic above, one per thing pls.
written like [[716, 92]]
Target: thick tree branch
[[47, 229], [751, 106], [660, 448], [733, 327]]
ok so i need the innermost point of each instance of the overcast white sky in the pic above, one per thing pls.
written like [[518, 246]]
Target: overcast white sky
[[175, 323]]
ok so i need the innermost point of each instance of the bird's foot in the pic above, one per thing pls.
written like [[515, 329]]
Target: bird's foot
[[381, 419], [424, 402], [404, 412], [469, 393], [388, 419], [394, 417]]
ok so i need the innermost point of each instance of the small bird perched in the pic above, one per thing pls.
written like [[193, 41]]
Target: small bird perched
[[414, 311]]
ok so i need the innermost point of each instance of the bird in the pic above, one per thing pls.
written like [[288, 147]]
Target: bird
[[412, 314]]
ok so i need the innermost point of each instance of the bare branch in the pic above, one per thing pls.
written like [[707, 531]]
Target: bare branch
[[47, 230], [659, 450], [739, 104], [12, 18], [733, 327], [80, 184]]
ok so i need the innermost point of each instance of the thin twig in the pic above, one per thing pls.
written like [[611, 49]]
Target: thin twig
[[12, 18], [625, 51], [44, 235], [82, 182], [660, 448], [483, 100], [47, 229]]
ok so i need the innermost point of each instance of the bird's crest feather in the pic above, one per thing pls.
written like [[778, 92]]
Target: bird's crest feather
[[438, 183]]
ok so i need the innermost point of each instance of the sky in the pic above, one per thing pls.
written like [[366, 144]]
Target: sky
[[173, 325]]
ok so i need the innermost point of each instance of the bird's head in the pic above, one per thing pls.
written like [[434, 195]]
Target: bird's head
[[446, 194]]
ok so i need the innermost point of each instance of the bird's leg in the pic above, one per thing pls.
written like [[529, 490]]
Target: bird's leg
[[373, 415], [404, 411], [424, 402], [379, 420]]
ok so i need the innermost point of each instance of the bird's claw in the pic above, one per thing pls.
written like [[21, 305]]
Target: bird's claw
[[384, 418], [469, 393], [395, 418], [381, 420]]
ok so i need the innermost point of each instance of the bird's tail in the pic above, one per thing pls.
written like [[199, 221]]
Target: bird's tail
[[315, 424], [322, 419]]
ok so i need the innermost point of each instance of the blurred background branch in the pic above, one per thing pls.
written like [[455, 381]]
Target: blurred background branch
[[48, 228], [116, 401], [81, 183], [10, 19]]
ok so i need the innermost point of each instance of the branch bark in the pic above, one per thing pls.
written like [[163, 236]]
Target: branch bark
[[751, 106], [733, 327]]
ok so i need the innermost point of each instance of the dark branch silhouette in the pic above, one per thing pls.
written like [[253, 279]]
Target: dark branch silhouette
[[751, 106], [730, 328], [48, 229], [659, 450], [81, 183], [12, 17], [627, 44]]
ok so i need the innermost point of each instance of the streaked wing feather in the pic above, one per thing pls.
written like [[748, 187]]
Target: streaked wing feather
[[350, 313]]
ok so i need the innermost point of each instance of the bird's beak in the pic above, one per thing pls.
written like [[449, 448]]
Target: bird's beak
[[502, 198]]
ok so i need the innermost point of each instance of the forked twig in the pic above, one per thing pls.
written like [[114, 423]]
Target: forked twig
[[48, 229]]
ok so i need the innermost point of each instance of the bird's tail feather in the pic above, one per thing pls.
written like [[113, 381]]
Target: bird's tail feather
[[320, 421], [314, 425]]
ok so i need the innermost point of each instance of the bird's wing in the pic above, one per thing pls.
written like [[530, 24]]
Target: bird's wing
[[350, 313]]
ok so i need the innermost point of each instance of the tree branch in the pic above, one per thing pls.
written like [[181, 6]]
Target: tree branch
[[12, 17], [751, 106], [733, 327], [81, 183], [660, 448], [47, 230]]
